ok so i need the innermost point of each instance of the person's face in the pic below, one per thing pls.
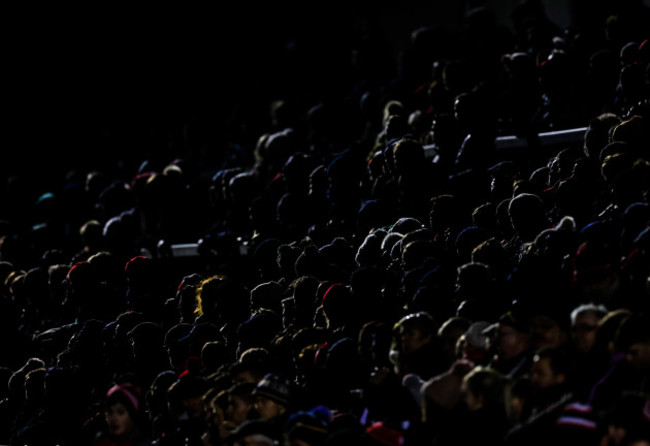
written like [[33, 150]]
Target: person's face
[[119, 420], [450, 342], [542, 375], [216, 414], [464, 350], [508, 342], [638, 354], [245, 376], [268, 409], [546, 332], [412, 339], [195, 406], [583, 331], [615, 435], [238, 409]]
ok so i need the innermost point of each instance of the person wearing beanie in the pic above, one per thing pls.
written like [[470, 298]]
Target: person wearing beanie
[[273, 403], [124, 416], [415, 348], [510, 343], [482, 417], [187, 404], [272, 396]]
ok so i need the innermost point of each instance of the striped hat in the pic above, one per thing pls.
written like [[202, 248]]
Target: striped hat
[[577, 424], [128, 394], [274, 388]]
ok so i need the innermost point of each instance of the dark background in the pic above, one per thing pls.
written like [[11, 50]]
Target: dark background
[[75, 75]]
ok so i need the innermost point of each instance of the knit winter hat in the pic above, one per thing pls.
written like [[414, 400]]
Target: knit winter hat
[[128, 394], [577, 423], [475, 336], [275, 388]]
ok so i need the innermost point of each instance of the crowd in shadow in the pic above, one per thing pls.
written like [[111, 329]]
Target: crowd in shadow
[[343, 255]]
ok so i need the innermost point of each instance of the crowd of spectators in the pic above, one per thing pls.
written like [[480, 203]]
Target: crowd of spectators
[[356, 260]]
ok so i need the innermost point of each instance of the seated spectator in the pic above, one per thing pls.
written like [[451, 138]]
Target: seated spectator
[[511, 345], [349, 249], [584, 323], [484, 418], [126, 420], [241, 404], [589, 360], [551, 378], [273, 403], [630, 362], [416, 350]]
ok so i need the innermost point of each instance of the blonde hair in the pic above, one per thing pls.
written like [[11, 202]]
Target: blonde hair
[[207, 285]]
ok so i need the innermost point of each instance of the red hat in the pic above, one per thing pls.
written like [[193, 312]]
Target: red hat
[[385, 435], [128, 393]]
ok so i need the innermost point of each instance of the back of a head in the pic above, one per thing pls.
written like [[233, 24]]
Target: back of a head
[[414, 253], [259, 329], [391, 108], [488, 383], [634, 329], [396, 127], [608, 327], [147, 335], [493, 254], [598, 133], [527, 215], [408, 154], [445, 212], [338, 305], [421, 320], [267, 295]]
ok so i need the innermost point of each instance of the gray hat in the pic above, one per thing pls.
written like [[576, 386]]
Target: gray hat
[[274, 388], [476, 335]]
